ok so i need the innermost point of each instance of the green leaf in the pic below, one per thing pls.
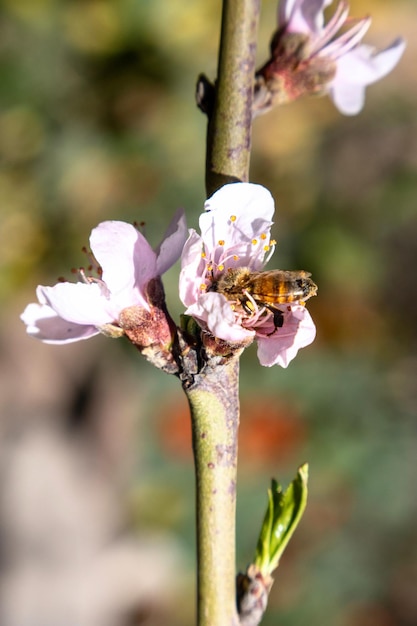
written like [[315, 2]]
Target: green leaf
[[285, 509]]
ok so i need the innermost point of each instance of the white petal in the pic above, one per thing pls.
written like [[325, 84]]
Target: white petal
[[170, 248], [251, 208], [213, 309], [244, 200], [127, 260], [44, 324], [79, 303]]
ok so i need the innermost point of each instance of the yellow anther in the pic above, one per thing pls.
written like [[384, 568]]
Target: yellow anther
[[220, 268], [235, 257], [266, 248], [203, 255], [221, 242], [254, 242], [263, 236], [233, 218], [203, 287], [272, 242]]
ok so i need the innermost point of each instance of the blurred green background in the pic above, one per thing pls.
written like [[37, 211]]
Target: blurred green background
[[98, 121]]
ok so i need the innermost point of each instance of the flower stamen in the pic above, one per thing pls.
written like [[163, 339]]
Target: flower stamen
[[93, 265]]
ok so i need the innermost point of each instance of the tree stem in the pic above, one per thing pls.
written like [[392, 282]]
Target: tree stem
[[229, 128], [214, 404], [214, 395]]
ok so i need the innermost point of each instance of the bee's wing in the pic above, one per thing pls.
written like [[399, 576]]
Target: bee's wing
[[288, 275]]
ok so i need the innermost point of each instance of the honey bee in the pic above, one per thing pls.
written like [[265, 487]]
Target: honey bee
[[267, 289]]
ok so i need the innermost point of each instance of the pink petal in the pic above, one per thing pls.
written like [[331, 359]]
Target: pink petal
[[170, 248], [127, 260], [348, 98], [304, 16], [192, 269], [79, 303], [357, 69], [363, 66], [44, 324], [285, 8], [281, 347], [345, 42]]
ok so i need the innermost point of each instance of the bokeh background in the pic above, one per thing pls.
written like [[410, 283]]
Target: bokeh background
[[98, 121]]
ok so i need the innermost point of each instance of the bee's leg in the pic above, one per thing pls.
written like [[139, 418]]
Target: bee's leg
[[248, 307], [278, 319]]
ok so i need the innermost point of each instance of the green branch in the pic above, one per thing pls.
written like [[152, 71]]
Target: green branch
[[213, 396], [229, 129], [214, 405]]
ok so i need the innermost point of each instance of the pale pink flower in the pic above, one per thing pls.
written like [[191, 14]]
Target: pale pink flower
[[309, 56], [235, 232], [70, 312]]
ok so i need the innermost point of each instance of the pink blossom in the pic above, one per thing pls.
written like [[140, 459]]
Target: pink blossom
[[235, 233], [309, 56], [70, 312]]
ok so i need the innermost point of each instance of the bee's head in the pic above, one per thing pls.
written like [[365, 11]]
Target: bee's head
[[307, 286]]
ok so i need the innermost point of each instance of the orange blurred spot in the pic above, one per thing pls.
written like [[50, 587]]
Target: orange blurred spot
[[268, 431], [174, 429]]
